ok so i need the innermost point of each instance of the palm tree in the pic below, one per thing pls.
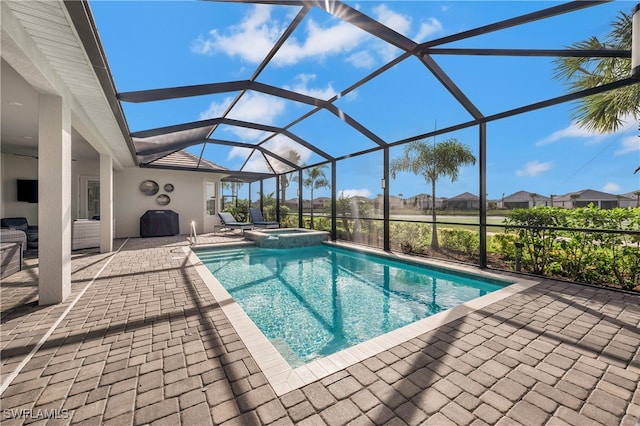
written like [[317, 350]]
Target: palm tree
[[234, 186], [286, 179], [602, 112], [315, 179], [637, 194], [433, 162], [533, 196]]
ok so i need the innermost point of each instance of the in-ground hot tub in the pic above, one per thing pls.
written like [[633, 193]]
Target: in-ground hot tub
[[286, 238]]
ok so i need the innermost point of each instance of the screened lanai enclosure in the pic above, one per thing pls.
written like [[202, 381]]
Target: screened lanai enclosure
[[309, 108]]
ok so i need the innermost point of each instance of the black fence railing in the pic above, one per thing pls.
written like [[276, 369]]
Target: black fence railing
[[600, 256]]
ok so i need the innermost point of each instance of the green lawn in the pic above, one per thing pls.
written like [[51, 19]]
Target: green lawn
[[460, 221]]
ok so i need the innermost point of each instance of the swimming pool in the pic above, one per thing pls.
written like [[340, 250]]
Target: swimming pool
[[312, 302]]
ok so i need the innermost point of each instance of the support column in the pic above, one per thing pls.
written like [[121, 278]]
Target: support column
[[261, 195], [54, 199], [483, 194], [635, 41], [277, 212], [334, 198], [386, 210], [106, 204], [300, 200]]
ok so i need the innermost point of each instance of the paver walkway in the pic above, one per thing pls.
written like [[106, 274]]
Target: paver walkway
[[146, 343]]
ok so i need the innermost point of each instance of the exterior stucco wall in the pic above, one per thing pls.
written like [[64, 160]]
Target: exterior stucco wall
[[187, 199], [16, 167]]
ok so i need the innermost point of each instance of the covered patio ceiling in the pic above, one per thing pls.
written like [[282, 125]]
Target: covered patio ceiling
[[278, 148]]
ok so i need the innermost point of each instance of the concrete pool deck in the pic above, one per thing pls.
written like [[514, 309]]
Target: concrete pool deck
[[141, 340]]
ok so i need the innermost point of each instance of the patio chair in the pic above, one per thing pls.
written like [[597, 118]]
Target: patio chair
[[230, 222], [21, 224], [256, 218]]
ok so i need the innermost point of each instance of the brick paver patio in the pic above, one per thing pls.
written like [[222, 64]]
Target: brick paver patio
[[146, 343]]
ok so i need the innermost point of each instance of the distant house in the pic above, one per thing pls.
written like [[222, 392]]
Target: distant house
[[524, 200], [423, 202], [631, 199], [292, 203], [320, 202], [464, 201], [585, 197], [394, 202], [306, 204]]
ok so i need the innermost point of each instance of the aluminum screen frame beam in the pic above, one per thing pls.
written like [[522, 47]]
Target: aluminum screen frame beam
[[181, 145], [231, 122], [242, 86], [556, 53], [512, 22]]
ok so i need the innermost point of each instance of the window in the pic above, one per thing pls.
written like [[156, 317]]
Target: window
[[211, 198]]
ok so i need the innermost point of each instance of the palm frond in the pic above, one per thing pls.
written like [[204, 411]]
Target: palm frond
[[602, 112]]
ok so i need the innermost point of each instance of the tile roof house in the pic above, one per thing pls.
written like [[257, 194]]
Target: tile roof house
[[423, 201], [464, 201], [631, 199], [185, 160], [523, 200], [586, 197]]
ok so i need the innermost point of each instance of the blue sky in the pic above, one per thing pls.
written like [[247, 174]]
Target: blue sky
[[152, 45]]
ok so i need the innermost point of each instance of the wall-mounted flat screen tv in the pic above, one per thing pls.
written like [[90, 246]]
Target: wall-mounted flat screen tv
[[28, 190]]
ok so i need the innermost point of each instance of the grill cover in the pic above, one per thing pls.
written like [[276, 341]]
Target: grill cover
[[159, 223]]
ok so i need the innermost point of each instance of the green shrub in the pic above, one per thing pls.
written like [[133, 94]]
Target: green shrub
[[533, 229], [418, 235], [461, 240], [504, 245], [586, 252]]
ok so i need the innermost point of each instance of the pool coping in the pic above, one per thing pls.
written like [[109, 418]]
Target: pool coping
[[283, 378]]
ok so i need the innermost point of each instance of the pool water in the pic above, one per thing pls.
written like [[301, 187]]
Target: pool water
[[314, 301]]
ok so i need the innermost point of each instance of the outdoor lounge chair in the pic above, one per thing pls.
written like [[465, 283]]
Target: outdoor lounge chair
[[21, 224], [259, 222], [230, 222]]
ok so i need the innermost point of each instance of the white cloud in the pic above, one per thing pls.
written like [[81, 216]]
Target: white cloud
[[281, 146], [574, 131], [396, 21], [362, 59], [386, 51], [534, 168], [241, 153], [346, 193], [629, 144], [251, 40], [302, 86], [256, 34], [216, 109], [253, 107], [320, 42], [428, 28], [403, 25], [611, 187], [254, 37], [258, 107]]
